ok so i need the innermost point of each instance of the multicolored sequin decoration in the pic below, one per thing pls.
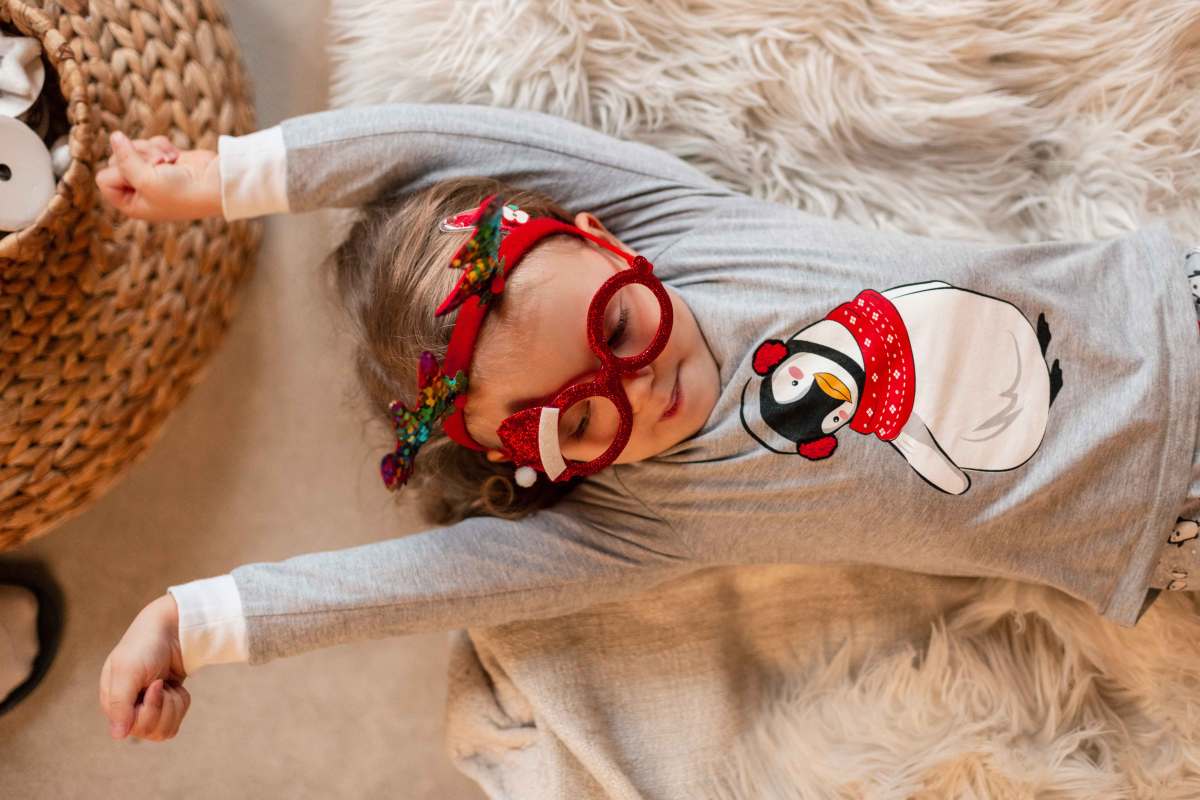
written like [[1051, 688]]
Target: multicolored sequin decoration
[[483, 269], [435, 397]]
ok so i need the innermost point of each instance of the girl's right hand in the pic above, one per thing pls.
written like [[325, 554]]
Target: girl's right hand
[[141, 683], [151, 179]]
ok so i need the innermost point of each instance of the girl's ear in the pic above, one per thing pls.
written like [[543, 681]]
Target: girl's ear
[[496, 455], [588, 222]]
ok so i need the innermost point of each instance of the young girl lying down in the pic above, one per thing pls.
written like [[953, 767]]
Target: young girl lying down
[[602, 370]]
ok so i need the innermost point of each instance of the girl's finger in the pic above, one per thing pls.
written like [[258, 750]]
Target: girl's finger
[[110, 177], [133, 167], [120, 193], [147, 712], [157, 150], [117, 193], [105, 678], [113, 188], [185, 695], [172, 716], [164, 144], [123, 689]]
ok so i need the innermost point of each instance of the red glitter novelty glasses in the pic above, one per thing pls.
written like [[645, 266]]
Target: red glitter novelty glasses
[[537, 436]]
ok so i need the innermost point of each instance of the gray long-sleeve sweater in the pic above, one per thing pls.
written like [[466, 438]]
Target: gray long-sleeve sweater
[[1060, 462]]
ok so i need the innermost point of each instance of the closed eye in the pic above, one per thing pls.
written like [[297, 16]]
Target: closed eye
[[618, 334], [614, 341], [583, 423]]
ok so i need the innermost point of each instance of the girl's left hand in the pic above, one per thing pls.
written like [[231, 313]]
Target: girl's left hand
[[141, 682], [153, 180]]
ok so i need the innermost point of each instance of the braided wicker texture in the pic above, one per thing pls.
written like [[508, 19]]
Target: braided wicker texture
[[107, 322]]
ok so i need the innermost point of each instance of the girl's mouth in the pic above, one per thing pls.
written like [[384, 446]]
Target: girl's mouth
[[676, 400]]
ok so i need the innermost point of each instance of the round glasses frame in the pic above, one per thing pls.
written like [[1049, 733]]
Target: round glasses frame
[[607, 382]]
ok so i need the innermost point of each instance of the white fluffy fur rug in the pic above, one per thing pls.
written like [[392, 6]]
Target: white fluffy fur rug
[[1024, 693], [1006, 120]]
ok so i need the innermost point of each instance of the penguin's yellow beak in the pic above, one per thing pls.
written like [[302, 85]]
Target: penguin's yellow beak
[[831, 386]]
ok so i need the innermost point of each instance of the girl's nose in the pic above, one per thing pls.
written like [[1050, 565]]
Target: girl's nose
[[637, 387]]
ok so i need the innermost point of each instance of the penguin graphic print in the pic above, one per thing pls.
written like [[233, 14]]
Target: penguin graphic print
[[952, 379]]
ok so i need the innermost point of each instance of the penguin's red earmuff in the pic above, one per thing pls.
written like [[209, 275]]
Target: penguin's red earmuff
[[817, 448], [768, 354]]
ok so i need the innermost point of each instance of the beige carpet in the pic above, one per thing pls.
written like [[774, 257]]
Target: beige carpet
[[263, 461]]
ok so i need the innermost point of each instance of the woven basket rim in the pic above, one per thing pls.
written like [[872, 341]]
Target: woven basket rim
[[26, 244]]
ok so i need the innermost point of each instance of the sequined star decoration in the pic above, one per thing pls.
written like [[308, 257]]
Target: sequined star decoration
[[483, 270], [435, 397]]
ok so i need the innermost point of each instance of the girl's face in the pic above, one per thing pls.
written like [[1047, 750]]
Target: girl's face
[[528, 353]]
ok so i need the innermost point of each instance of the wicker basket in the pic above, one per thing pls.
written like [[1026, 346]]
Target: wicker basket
[[106, 322]]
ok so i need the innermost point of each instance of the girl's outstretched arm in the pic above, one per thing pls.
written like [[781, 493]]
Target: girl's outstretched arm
[[347, 157], [479, 572]]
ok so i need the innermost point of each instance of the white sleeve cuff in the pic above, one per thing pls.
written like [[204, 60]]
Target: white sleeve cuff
[[212, 629], [253, 174]]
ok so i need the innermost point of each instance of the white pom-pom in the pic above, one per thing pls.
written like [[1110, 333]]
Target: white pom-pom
[[60, 156], [526, 477]]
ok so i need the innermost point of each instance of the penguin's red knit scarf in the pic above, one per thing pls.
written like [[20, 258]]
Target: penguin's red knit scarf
[[890, 385]]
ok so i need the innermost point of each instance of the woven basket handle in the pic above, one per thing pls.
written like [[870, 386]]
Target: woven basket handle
[[76, 191]]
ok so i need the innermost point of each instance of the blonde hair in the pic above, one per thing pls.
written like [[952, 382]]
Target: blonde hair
[[391, 273]]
